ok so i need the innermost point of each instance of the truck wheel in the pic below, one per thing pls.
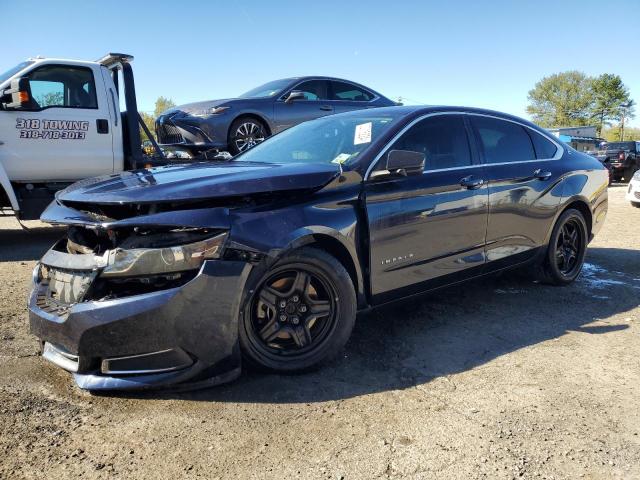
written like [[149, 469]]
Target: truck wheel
[[567, 248], [300, 315], [245, 132]]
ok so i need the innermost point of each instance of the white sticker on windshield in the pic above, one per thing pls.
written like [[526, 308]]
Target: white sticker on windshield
[[343, 157], [363, 133]]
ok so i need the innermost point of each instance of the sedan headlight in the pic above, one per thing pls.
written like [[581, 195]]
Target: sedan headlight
[[158, 261], [209, 111]]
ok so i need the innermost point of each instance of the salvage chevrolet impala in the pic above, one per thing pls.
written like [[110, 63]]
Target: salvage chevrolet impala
[[174, 276]]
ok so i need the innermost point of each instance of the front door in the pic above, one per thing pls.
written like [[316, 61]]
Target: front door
[[428, 229], [315, 104], [66, 132]]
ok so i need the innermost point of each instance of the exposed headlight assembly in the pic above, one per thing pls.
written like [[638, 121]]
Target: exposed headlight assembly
[[157, 261]]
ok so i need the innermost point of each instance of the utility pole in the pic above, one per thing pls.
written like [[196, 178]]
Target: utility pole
[[624, 114]]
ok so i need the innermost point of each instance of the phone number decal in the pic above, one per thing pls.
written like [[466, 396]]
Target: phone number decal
[[52, 129]]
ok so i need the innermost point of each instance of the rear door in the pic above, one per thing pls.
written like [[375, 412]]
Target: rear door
[[314, 105], [428, 229], [65, 134], [345, 96], [521, 168]]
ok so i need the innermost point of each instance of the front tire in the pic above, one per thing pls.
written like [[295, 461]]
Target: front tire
[[245, 133], [300, 315], [566, 251]]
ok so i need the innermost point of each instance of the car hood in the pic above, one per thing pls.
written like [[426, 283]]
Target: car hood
[[208, 104], [199, 181]]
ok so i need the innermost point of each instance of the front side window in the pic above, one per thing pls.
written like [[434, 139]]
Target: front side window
[[502, 141], [349, 92], [442, 139], [62, 86], [313, 89]]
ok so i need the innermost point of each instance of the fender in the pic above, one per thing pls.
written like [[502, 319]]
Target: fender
[[252, 113], [585, 188], [6, 185], [310, 235]]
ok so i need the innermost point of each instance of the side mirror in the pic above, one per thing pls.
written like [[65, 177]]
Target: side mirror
[[20, 92], [294, 95], [403, 163]]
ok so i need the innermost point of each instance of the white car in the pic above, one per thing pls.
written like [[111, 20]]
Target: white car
[[633, 193]]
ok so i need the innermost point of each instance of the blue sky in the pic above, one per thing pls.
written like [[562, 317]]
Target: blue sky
[[477, 53]]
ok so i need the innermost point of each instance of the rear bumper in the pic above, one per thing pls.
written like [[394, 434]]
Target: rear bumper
[[180, 337]]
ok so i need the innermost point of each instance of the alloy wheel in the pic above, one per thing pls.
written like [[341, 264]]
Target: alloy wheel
[[568, 247], [247, 135], [292, 313]]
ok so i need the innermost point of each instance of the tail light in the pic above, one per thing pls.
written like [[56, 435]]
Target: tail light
[[621, 156]]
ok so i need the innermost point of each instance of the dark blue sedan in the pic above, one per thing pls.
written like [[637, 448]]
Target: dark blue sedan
[[238, 124]]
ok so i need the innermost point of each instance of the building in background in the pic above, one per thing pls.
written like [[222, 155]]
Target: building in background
[[583, 139]]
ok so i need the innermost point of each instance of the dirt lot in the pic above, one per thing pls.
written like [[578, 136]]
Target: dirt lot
[[502, 378]]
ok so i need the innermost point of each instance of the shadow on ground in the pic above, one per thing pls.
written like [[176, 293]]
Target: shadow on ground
[[450, 331], [18, 244]]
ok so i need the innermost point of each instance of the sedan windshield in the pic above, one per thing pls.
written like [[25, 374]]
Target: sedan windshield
[[12, 71], [335, 139], [269, 89]]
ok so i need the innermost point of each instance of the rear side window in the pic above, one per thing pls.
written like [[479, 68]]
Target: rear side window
[[62, 86], [502, 141], [349, 92], [544, 148], [442, 139]]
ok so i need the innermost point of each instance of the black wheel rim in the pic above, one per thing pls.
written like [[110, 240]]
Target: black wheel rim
[[569, 247], [247, 135], [292, 313]]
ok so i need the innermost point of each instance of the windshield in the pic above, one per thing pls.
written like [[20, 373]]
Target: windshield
[[12, 71], [269, 89], [335, 139], [619, 146]]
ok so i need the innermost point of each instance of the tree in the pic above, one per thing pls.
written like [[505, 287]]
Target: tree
[[163, 104], [609, 94], [561, 100], [149, 121]]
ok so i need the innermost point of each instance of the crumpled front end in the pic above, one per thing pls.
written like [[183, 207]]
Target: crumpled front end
[[140, 307]]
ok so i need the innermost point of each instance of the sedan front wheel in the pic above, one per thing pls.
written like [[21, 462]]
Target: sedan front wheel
[[244, 134], [300, 315]]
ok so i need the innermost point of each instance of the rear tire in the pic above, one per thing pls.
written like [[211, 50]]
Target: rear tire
[[300, 315], [563, 260]]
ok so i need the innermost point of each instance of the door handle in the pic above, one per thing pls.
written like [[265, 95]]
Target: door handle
[[326, 108], [471, 183], [541, 175], [102, 125], [1, 142]]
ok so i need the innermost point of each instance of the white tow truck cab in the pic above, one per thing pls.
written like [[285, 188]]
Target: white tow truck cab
[[60, 122]]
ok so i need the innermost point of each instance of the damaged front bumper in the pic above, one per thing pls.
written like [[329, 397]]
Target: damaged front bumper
[[184, 337]]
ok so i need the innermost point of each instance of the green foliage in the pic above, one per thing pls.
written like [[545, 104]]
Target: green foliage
[[613, 134], [609, 93], [50, 99], [561, 100], [572, 99], [149, 121], [163, 104]]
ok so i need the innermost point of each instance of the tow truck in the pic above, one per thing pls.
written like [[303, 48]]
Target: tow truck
[[65, 120]]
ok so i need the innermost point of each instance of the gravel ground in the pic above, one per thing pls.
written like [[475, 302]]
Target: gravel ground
[[501, 378]]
